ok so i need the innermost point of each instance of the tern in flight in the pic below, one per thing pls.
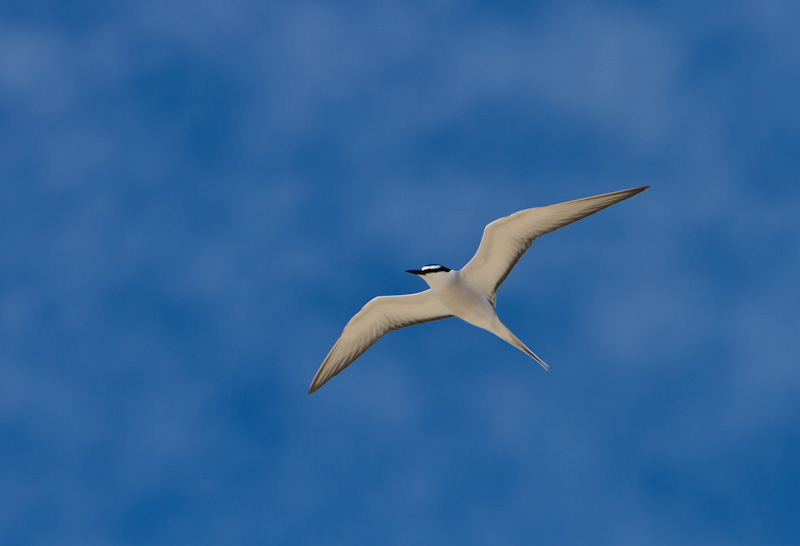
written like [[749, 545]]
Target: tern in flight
[[468, 294]]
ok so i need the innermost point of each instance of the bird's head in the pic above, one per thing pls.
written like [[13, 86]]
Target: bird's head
[[429, 270], [431, 273]]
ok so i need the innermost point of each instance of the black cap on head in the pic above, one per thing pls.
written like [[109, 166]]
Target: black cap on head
[[433, 268]]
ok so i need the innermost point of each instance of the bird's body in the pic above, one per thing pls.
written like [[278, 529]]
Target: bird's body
[[466, 302], [461, 298], [468, 294]]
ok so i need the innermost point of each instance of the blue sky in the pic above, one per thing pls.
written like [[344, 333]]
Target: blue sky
[[196, 197]]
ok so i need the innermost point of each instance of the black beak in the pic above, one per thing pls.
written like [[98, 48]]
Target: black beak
[[414, 271]]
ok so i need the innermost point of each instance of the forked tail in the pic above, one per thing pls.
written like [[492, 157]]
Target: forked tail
[[506, 335]]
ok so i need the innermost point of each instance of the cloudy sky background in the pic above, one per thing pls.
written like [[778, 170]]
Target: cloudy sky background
[[196, 197]]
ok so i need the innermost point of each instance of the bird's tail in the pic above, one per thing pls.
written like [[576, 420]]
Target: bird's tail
[[506, 335]]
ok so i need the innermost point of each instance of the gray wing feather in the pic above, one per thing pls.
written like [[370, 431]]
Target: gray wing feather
[[377, 318], [505, 240]]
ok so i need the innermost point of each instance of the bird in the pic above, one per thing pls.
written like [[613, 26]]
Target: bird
[[470, 293]]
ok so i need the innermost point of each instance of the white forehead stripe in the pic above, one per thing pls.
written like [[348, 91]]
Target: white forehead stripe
[[429, 267]]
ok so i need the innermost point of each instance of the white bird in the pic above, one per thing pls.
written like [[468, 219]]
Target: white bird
[[469, 294]]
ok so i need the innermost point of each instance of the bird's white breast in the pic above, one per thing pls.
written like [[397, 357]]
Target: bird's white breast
[[461, 299]]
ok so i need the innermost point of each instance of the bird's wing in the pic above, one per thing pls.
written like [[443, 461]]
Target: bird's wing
[[378, 317], [505, 240]]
